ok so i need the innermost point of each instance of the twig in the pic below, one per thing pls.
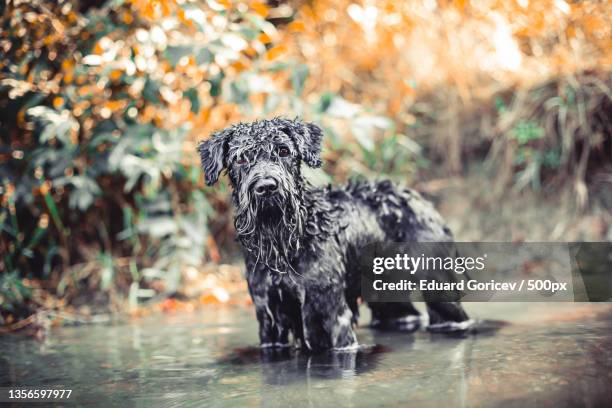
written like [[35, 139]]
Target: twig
[[19, 325]]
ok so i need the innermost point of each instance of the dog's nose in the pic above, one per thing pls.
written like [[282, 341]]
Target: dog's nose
[[265, 186]]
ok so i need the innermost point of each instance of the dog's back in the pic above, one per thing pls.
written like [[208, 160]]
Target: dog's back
[[384, 211]]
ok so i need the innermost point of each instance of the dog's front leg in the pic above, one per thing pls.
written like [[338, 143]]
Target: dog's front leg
[[327, 319], [272, 331]]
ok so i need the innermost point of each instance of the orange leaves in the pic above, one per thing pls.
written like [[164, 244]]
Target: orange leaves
[[368, 49], [204, 115], [238, 66], [115, 106], [183, 19], [58, 102], [154, 9], [97, 49], [460, 4], [127, 18], [174, 305], [115, 75], [72, 17], [296, 26], [260, 8], [275, 52], [227, 4], [68, 70], [596, 24], [79, 107], [45, 188], [87, 90], [264, 38], [50, 39], [215, 297]]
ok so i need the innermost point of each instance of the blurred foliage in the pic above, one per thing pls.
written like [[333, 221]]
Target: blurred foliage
[[440, 69], [13, 294], [102, 102], [101, 105]]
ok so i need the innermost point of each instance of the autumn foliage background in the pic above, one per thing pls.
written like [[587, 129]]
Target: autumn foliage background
[[102, 102]]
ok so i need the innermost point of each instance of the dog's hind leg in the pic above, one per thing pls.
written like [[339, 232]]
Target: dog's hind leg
[[446, 314], [447, 317], [395, 316]]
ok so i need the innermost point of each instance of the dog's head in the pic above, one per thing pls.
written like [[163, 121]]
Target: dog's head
[[247, 148], [262, 158], [263, 162]]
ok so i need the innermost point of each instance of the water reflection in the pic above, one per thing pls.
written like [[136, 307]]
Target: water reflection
[[288, 365], [548, 355]]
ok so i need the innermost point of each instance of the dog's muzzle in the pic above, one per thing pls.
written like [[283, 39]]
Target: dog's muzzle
[[265, 187]]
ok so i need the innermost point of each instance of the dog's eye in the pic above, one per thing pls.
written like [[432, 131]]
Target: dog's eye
[[241, 159], [283, 151]]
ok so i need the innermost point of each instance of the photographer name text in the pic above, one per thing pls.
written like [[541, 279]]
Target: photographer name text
[[530, 285]]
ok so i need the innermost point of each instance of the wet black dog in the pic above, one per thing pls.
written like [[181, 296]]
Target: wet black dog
[[301, 243]]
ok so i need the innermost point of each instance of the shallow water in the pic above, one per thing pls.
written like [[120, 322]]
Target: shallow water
[[556, 355]]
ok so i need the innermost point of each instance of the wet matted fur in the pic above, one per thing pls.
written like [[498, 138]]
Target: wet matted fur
[[301, 242]]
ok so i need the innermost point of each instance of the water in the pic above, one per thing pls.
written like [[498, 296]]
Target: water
[[556, 355]]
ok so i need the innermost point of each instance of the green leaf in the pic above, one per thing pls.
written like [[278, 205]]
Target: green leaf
[[526, 131], [299, 74], [107, 272], [192, 95], [324, 102]]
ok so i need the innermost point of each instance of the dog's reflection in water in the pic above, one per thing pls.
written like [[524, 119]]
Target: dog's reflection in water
[[281, 366], [286, 365]]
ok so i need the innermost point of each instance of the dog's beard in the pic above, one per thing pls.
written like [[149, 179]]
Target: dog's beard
[[271, 229]]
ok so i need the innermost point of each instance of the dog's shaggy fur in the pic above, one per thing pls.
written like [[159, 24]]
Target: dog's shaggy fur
[[301, 243]]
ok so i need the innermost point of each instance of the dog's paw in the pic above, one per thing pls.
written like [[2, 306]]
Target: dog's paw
[[275, 345], [405, 323], [350, 347], [451, 327]]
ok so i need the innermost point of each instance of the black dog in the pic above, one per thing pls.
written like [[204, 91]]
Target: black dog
[[300, 242]]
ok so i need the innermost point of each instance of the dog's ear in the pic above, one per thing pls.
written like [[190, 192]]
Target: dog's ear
[[308, 138], [212, 154]]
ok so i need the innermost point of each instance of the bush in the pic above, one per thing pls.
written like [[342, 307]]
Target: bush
[[101, 108], [98, 106]]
